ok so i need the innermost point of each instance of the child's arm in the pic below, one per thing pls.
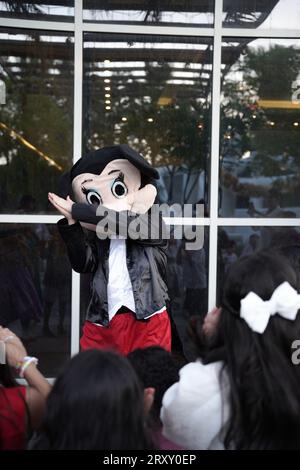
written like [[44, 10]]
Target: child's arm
[[38, 387]]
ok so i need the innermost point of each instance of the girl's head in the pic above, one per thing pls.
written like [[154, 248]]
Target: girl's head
[[292, 253], [264, 383], [96, 403], [156, 369]]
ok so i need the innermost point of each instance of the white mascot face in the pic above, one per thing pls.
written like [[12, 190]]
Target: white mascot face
[[117, 187]]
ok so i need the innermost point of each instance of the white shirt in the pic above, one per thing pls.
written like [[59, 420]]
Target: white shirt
[[195, 410], [119, 288]]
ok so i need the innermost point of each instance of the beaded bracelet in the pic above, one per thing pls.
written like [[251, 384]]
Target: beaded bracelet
[[22, 366]]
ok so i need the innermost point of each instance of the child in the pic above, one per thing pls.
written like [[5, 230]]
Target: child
[[96, 403], [156, 369], [244, 394], [21, 407]]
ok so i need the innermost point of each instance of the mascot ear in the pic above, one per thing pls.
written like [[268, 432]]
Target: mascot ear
[[147, 180], [65, 185]]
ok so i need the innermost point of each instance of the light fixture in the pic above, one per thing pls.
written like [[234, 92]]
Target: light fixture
[[107, 80], [296, 124], [107, 95], [107, 61], [108, 108], [246, 155], [150, 119], [124, 119], [107, 101], [107, 88]]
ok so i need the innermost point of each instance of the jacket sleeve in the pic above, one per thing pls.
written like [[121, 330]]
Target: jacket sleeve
[[82, 253], [152, 229]]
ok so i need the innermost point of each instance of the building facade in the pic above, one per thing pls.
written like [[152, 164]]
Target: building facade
[[208, 91]]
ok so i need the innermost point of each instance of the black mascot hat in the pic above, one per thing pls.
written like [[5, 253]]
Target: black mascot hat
[[96, 161]]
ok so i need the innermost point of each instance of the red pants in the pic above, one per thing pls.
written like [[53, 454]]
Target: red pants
[[124, 333]]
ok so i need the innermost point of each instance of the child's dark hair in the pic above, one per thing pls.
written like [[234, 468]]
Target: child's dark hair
[[95, 404], [264, 383], [155, 368], [292, 253]]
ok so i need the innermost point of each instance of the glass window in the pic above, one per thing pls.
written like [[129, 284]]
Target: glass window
[[35, 291], [261, 14], [36, 117], [58, 10], [260, 128], [187, 272], [154, 93], [237, 242], [189, 12]]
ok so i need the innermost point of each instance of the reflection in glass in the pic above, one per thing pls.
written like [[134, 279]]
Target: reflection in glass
[[260, 128], [36, 117], [153, 93], [35, 291], [237, 242], [263, 14], [200, 13], [187, 274], [58, 10]]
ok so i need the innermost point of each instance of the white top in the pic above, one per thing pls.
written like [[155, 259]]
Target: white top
[[195, 410], [119, 288]]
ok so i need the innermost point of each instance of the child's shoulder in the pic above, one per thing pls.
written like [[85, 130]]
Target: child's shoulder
[[196, 373]]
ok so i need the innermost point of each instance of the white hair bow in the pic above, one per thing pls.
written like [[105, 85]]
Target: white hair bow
[[285, 301]]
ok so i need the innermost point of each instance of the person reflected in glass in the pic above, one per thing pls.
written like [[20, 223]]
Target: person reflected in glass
[[57, 282]]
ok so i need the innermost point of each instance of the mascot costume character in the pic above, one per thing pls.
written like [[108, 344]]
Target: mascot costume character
[[127, 308]]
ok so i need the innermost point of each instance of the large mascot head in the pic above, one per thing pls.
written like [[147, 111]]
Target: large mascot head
[[116, 177]]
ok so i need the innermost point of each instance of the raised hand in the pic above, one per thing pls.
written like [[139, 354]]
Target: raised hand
[[15, 350], [64, 206]]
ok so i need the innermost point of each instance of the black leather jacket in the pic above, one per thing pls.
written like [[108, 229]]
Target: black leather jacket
[[146, 263]]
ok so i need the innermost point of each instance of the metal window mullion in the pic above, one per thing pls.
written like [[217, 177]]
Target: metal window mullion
[[214, 160], [37, 24], [221, 221], [147, 29], [258, 222], [261, 33], [28, 219], [77, 147]]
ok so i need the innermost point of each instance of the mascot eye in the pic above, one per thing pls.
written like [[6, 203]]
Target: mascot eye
[[93, 197], [119, 188]]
